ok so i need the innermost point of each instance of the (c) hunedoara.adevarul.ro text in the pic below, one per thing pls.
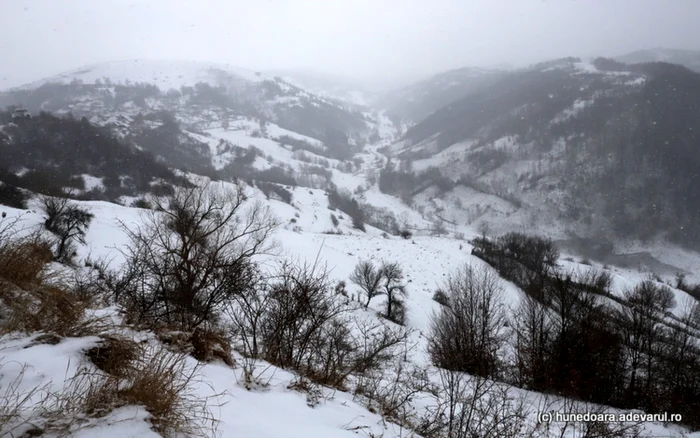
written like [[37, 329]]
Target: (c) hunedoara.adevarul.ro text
[[562, 417]]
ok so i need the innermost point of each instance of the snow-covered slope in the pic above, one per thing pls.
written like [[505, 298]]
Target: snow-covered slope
[[481, 203], [277, 410], [164, 74], [196, 91], [347, 89]]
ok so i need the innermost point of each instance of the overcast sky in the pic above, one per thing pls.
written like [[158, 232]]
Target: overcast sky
[[382, 39]]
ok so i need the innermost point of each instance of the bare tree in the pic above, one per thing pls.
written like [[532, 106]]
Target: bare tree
[[368, 278], [642, 329], [467, 334], [533, 336], [68, 222], [193, 255], [394, 289], [247, 311]]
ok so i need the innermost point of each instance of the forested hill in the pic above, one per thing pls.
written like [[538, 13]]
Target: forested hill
[[50, 154], [615, 144]]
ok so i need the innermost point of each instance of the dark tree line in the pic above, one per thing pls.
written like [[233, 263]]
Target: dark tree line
[[570, 335], [343, 201], [171, 143], [57, 150], [405, 183]]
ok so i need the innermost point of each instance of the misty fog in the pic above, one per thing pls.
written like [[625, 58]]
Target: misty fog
[[390, 42]]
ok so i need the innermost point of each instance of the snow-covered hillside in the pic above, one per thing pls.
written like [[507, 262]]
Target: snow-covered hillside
[[293, 150], [194, 92], [551, 140], [164, 74], [276, 410]]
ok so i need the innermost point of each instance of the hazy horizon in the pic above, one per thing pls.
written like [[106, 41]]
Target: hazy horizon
[[388, 41]]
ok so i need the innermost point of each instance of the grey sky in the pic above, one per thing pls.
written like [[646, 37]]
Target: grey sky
[[361, 38]]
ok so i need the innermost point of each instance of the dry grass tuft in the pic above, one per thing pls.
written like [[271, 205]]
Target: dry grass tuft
[[31, 296], [114, 355], [161, 383], [24, 261], [48, 309], [205, 345], [17, 406], [157, 379], [211, 345]]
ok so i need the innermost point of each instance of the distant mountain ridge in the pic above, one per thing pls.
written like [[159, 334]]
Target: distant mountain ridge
[[165, 74], [598, 145], [194, 91]]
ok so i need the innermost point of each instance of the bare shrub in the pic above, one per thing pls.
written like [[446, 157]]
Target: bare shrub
[[472, 406], [467, 335], [191, 257], [95, 283], [391, 390], [340, 288], [533, 328], [253, 374], [300, 307], [643, 331], [247, 312], [304, 325]]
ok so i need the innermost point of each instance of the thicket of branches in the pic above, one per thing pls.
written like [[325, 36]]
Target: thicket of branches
[[191, 268], [468, 329], [191, 255], [296, 320], [38, 303], [573, 337]]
